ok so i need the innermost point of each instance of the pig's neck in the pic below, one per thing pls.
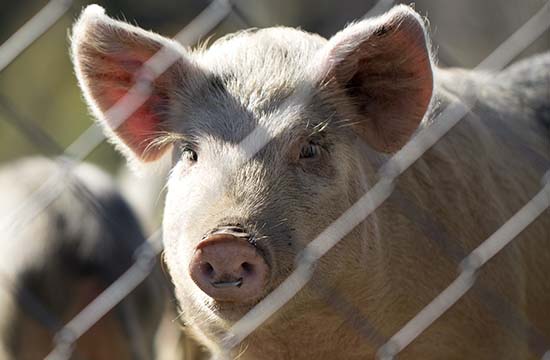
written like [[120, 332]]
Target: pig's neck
[[328, 321], [328, 329]]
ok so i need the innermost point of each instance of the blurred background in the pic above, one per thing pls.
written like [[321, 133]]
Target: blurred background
[[40, 86], [42, 111]]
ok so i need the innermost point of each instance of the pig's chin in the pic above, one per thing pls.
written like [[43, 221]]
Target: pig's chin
[[230, 310]]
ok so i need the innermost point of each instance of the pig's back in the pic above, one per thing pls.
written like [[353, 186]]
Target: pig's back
[[528, 115], [478, 176]]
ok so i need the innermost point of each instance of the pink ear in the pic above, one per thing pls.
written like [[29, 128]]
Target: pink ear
[[110, 57], [382, 68]]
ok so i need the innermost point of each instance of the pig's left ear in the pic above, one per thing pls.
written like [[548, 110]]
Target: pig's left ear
[[382, 66], [117, 63]]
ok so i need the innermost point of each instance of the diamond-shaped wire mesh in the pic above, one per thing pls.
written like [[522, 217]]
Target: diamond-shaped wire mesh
[[226, 16]]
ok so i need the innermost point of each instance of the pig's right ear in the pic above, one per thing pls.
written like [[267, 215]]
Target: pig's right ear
[[382, 70], [117, 63]]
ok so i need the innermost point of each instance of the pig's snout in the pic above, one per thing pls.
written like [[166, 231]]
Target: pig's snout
[[229, 268]]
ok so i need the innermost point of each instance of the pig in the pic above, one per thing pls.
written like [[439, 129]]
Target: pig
[[61, 258], [274, 133]]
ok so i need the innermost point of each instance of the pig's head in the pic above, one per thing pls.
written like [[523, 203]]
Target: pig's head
[[265, 129]]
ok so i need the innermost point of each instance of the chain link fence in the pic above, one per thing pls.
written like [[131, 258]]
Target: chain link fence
[[207, 21]]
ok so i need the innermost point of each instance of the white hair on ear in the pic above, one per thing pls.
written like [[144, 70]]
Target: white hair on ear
[[97, 34], [352, 35], [375, 60]]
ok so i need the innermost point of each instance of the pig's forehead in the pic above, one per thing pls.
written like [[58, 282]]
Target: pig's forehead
[[259, 67], [267, 51], [257, 77], [292, 118]]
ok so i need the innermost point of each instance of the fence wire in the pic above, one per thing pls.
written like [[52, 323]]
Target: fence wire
[[469, 268], [52, 187], [199, 27], [32, 30], [381, 191]]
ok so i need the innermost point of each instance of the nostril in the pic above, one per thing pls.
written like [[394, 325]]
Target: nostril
[[247, 267], [207, 269]]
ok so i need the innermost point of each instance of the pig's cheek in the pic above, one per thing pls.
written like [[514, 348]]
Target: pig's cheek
[[174, 257], [185, 207], [192, 192], [177, 260], [178, 248], [178, 215]]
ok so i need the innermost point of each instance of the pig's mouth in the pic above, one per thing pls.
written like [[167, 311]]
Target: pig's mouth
[[228, 284]]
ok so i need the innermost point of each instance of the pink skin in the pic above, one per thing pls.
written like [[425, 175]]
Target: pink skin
[[228, 268]]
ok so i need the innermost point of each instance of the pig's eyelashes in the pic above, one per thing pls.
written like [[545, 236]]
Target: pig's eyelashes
[[309, 151]]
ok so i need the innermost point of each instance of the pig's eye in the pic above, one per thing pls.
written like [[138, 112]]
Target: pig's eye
[[309, 151], [189, 154]]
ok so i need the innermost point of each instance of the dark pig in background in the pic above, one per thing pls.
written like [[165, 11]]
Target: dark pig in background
[[56, 261], [275, 133]]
